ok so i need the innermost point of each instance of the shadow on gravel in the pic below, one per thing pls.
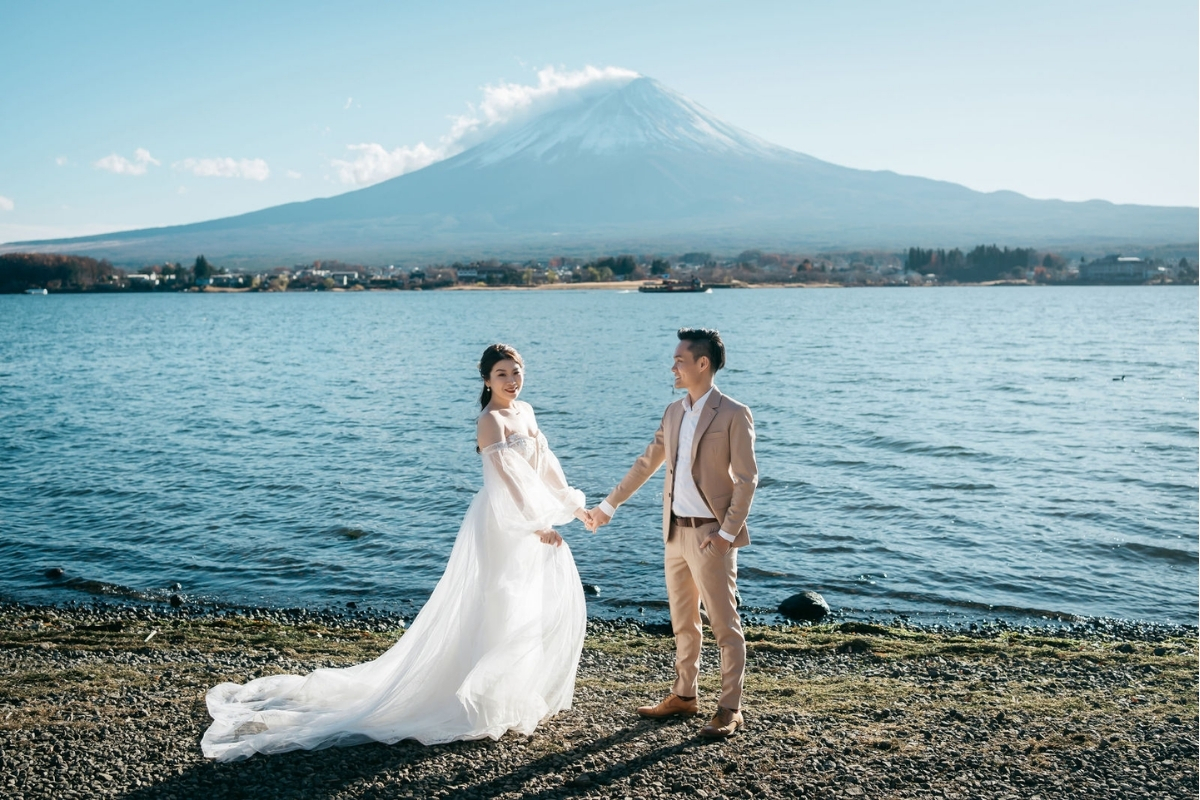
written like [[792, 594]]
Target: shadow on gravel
[[615, 766], [300, 774], [460, 770]]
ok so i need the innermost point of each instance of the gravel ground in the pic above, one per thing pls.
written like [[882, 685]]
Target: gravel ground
[[106, 700]]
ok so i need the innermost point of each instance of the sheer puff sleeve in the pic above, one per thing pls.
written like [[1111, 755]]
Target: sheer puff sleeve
[[522, 498]]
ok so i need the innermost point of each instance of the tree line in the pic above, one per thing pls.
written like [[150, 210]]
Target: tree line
[[984, 263], [19, 271]]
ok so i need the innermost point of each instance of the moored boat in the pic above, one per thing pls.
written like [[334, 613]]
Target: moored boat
[[669, 286], [36, 291]]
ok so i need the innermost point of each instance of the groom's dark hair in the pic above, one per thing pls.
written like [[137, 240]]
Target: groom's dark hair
[[705, 342]]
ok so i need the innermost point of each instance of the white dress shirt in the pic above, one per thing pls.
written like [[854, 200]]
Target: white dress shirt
[[686, 500]]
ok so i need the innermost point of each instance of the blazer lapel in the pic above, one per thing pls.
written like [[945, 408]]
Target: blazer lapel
[[671, 434], [706, 417]]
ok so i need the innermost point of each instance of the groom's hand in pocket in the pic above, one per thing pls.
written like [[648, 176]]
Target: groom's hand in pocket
[[716, 543]]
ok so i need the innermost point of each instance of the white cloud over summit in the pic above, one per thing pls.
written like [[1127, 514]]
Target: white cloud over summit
[[502, 103], [120, 165], [375, 163], [254, 169], [6, 204]]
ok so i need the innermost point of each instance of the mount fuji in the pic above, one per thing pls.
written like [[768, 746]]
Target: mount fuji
[[634, 167]]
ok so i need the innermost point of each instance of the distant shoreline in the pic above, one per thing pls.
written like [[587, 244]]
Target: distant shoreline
[[633, 285], [612, 286]]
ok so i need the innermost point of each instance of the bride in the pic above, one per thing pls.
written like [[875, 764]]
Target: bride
[[494, 649]]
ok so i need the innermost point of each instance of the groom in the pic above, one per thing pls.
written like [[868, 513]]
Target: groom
[[707, 442]]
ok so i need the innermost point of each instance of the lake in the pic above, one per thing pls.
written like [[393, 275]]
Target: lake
[[949, 454]]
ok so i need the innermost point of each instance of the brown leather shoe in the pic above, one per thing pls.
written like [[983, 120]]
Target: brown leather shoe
[[672, 706], [723, 725]]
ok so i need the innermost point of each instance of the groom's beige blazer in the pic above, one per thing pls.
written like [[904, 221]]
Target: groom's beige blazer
[[723, 464]]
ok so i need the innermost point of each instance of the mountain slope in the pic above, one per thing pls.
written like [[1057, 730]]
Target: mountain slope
[[640, 167]]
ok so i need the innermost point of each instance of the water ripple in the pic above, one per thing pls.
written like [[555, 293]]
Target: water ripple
[[919, 452]]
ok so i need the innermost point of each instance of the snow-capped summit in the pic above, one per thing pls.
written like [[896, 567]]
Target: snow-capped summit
[[635, 167], [639, 115]]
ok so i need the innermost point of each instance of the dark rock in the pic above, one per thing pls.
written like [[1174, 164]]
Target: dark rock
[[1160, 651], [175, 600], [351, 604], [806, 606], [1125, 647], [592, 589], [659, 629], [175, 587], [54, 573]]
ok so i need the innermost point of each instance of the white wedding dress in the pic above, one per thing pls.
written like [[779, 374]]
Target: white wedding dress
[[494, 649]]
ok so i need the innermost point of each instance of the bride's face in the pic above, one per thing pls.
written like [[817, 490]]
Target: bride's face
[[506, 380]]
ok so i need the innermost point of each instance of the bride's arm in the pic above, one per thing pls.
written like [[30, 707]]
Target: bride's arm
[[551, 473], [519, 497], [488, 430]]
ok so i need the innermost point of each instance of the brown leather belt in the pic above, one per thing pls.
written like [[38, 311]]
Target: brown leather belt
[[691, 522]]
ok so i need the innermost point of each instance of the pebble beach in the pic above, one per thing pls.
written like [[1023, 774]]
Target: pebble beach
[[104, 700]]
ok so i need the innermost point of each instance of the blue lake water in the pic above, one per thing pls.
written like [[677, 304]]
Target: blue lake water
[[957, 453]]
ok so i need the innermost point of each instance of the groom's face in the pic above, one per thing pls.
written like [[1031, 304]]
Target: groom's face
[[689, 371]]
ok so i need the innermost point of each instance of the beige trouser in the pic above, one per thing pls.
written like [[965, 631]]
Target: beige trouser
[[694, 575]]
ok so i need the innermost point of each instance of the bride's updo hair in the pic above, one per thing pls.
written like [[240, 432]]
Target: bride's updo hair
[[494, 354]]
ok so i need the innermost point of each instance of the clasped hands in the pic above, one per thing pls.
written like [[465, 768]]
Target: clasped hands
[[591, 518], [594, 518]]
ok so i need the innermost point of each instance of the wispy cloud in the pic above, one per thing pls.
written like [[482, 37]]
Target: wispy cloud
[[123, 166], [254, 169], [375, 163], [6, 204], [349, 102], [502, 103], [61, 161], [291, 173]]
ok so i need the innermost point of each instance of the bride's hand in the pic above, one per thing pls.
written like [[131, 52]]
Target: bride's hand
[[596, 519], [550, 536]]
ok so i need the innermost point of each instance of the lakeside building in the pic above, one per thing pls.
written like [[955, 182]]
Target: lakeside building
[[343, 278], [1117, 269]]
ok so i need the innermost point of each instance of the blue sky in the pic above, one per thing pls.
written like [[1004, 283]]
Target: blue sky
[[127, 114]]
